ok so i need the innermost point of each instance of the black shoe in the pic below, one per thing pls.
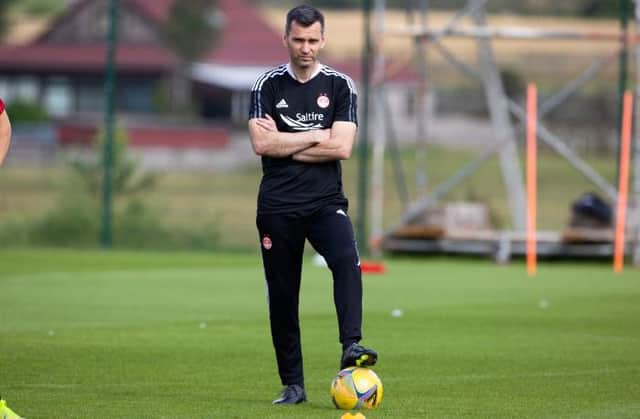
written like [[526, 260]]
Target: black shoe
[[292, 394], [358, 356]]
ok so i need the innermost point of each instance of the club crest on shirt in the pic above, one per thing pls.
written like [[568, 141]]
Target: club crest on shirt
[[323, 100], [266, 242]]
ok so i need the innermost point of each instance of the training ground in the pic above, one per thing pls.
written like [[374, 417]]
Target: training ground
[[89, 334]]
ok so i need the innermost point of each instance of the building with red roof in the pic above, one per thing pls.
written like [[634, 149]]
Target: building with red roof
[[63, 68]]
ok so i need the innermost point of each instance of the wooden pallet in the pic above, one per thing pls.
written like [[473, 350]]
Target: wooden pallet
[[503, 244]]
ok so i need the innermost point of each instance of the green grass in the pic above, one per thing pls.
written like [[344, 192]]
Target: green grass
[[89, 334], [192, 200], [49, 8]]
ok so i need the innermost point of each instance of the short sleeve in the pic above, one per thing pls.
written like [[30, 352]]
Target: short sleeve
[[261, 98], [347, 101], [1, 106]]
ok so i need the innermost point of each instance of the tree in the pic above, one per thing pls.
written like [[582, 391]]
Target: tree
[[5, 6], [128, 179], [192, 29], [599, 8]]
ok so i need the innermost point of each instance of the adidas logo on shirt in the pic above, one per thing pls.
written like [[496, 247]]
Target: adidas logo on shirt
[[282, 104]]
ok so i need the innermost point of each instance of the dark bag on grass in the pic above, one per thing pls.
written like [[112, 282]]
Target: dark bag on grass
[[591, 211]]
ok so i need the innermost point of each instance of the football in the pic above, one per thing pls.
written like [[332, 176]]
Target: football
[[356, 388]]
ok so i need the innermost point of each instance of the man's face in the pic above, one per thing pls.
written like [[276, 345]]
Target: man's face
[[304, 44]]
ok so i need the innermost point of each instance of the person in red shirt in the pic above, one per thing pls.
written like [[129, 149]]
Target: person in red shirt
[[5, 132]]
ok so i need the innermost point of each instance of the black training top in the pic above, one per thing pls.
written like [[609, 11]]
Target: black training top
[[329, 96]]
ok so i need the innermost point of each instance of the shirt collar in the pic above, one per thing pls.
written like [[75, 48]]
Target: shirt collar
[[315, 73]]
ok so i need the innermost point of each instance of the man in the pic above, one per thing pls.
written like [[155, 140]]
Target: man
[[5, 132], [302, 123]]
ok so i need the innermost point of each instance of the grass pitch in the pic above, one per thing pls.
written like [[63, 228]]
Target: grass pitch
[[165, 335]]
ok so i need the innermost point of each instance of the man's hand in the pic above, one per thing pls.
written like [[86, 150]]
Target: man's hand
[[268, 141], [337, 146], [267, 124]]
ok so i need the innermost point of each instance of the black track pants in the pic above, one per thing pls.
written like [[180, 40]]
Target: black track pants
[[282, 239]]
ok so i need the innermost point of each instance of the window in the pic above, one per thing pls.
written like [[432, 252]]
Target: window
[[90, 97], [26, 89], [58, 96], [136, 95]]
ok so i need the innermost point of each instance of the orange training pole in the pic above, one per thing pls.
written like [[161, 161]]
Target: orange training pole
[[623, 182], [532, 120]]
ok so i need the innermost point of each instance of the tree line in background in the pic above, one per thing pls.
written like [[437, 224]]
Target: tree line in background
[[582, 8]]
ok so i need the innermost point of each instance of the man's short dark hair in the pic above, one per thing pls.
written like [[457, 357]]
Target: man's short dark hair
[[304, 15]]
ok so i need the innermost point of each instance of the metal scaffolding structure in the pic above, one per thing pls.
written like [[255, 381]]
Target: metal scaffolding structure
[[502, 109]]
